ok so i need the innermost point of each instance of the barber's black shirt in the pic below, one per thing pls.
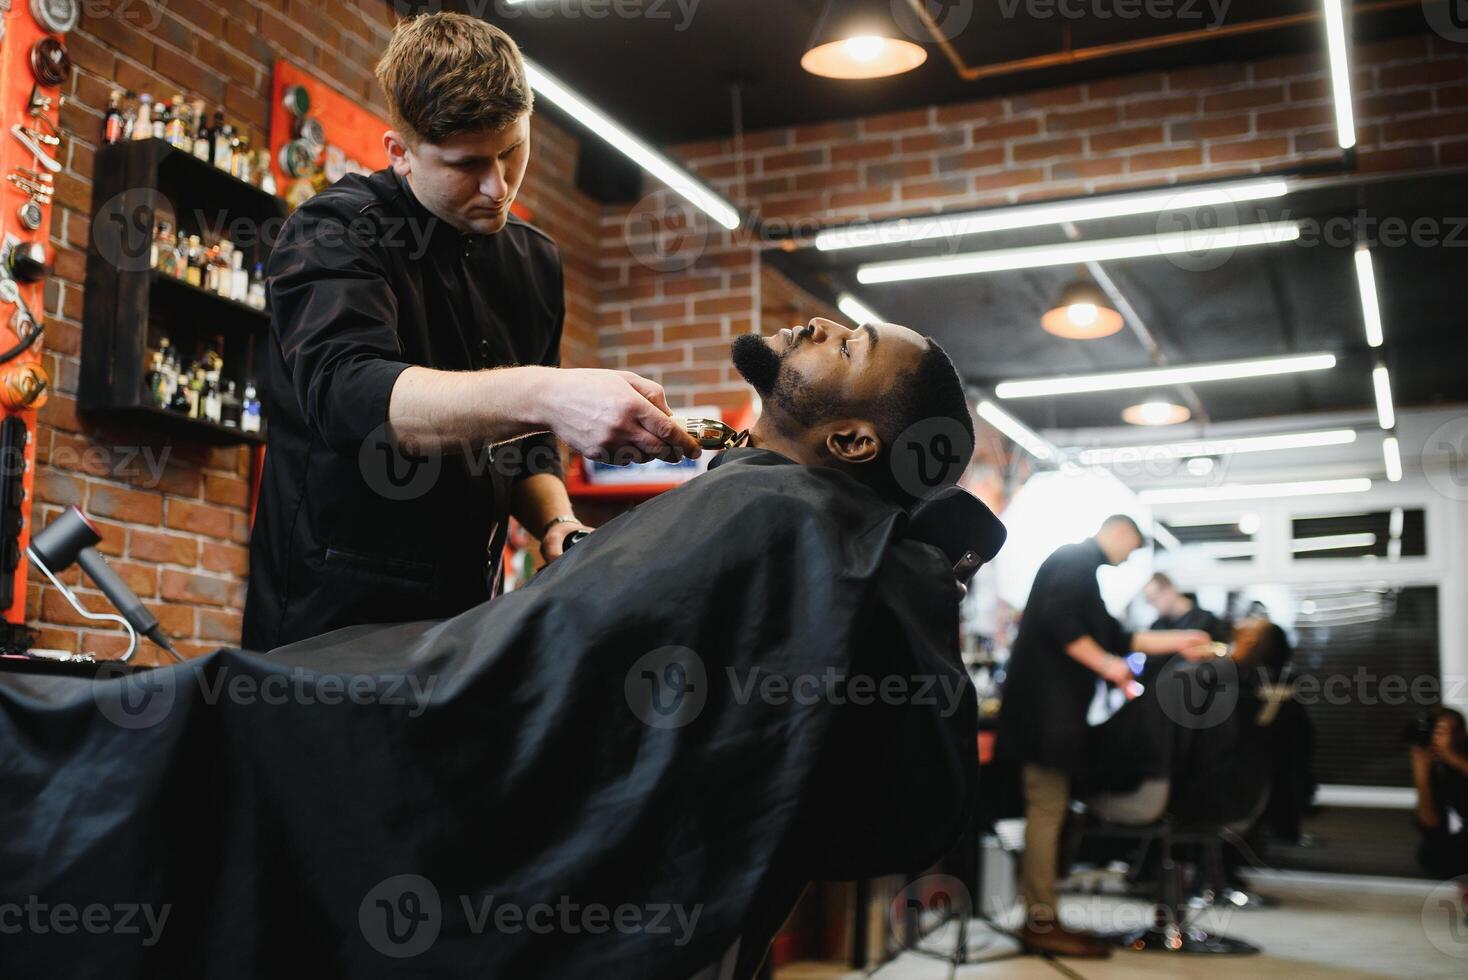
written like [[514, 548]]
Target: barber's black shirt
[[365, 282], [1196, 618], [1046, 691]]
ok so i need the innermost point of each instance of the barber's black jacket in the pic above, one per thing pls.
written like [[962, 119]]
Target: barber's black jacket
[[1047, 692], [365, 282]]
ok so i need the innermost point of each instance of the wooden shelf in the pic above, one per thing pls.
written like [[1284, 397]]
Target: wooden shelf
[[128, 305]]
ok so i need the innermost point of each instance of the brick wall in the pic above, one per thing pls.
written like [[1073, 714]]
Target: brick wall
[[1132, 131], [175, 517]]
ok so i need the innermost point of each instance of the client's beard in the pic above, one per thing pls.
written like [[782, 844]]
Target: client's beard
[[799, 404]]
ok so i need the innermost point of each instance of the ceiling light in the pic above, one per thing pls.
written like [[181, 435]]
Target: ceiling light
[[665, 170], [1074, 253], [856, 311], [1391, 452], [1156, 413], [1082, 312], [901, 230], [859, 39], [1217, 447], [1250, 524], [1036, 445], [1201, 465], [1340, 74], [1164, 376], [1386, 413], [1254, 491], [1334, 542], [1370, 302]]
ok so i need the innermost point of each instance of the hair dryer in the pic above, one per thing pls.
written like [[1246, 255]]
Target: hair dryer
[[72, 538]]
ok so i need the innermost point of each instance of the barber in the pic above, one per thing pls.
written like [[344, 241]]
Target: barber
[[412, 390], [1067, 640]]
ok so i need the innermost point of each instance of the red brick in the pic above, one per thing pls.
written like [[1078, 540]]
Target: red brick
[[645, 358], [865, 150], [896, 121], [658, 312], [56, 610], [1123, 139], [1292, 119], [839, 129], [882, 173], [1249, 98], [1398, 49], [188, 74], [692, 331], [1115, 88], [967, 111], [1405, 103], [1426, 127], [54, 487], [1048, 98], [162, 548], [228, 490], [1403, 158], [1210, 76], [1008, 129], [199, 518], [926, 142], [176, 620], [1059, 122], [1291, 66], [1008, 179], [1163, 108], [1217, 127], [142, 579], [133, 506], [225, 558], [118, 35], [179, 586], [1453, 154], [922, 190], [1046, 149], [992, 156], [224, 627], [861, 199], [1087, 169], [721, 304], [827, 178], [792, 160], [1165, 159]]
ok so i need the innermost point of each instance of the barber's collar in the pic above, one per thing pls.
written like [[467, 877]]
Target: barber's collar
[[441, 233], [752, 456]]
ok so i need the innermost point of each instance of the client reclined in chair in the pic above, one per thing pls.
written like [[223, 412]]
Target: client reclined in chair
[[629, 768], [1198, 744]]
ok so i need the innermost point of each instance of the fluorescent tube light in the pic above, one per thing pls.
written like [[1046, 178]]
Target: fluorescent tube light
[[1217, 447], [1334, 542], [1038, 215], [1032, 443], [1253, 491], [1164, 376], [1340, 74], [665, 170], [856, 310], [1391, 452], [1386, 412], [1370, 302], [1078, 253]]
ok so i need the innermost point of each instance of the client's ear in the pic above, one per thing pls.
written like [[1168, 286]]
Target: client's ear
[[854, 441]]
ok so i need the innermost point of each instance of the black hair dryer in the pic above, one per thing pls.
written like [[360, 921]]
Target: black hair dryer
[[69, 538]]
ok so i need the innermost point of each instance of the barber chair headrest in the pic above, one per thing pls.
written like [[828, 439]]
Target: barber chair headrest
[[958, 524]]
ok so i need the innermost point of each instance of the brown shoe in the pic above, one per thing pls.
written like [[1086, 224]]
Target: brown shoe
[[1056, 940]]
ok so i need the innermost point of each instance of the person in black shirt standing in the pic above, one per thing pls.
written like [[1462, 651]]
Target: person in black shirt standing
[[1067, 639], [412, 390], [1177, 611], [1440, 776]]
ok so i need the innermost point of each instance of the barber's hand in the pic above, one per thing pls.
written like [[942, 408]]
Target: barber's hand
[[1119, 672], [615, 416], [553, 545], [1194, 645]]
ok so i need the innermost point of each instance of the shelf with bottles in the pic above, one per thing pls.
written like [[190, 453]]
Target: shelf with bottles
[[208, 274], [200, 381], [186, 128]]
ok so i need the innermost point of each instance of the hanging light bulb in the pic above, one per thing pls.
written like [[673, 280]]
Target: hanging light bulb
[[1081, 313], [859, 39], [1156, 412]]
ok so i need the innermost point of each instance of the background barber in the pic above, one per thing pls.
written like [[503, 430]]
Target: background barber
[[1066, 640], [417, 323]]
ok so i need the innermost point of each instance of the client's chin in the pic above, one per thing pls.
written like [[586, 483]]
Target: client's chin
[[756, 361]]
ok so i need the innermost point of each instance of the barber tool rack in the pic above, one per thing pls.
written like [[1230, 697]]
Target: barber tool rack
[[34, 73]]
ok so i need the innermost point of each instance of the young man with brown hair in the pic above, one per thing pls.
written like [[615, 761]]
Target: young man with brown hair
[[417, 328]]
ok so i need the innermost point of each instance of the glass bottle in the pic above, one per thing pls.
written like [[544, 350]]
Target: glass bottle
[[239, 279], [230, 408], [194, 270], [112, 123], [180, 400], [250, 416], [203, 137], [257, 287], [161, 117], [143, 121], [173, 130], [223, 134], [196, 392], [263, 173]]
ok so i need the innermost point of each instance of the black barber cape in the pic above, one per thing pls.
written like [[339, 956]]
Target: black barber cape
[[635, 729], [1046, 691], [364, 282]]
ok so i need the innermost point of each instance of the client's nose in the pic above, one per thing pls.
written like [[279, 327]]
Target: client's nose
[[820, 328]]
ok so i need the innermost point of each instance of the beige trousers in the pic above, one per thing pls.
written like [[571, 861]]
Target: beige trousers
[[1047, 800]]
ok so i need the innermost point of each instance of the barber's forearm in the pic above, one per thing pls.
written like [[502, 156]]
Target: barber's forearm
[[1155, 642], [433, 411], [536, 499], [1088, 653]]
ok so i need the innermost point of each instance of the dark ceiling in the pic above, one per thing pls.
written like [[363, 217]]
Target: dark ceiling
[[667, 74], [1283, 299]]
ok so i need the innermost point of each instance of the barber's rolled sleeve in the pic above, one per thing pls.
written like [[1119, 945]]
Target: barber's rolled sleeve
[[334, 318]]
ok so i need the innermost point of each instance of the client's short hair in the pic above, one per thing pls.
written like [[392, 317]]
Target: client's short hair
[[1126, 521], [1160, 579], [932, 390]]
